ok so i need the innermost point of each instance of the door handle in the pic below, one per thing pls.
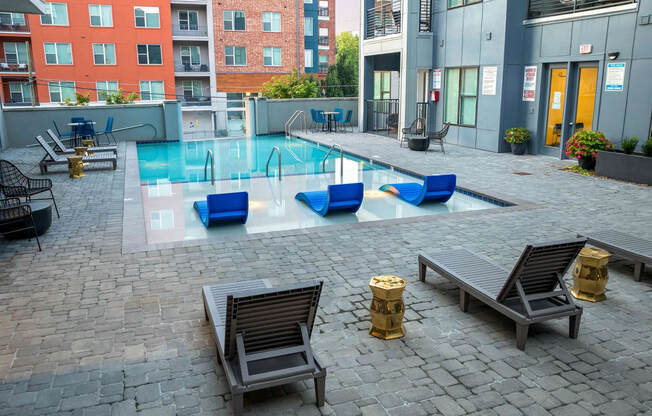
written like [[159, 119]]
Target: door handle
[[571, 124]]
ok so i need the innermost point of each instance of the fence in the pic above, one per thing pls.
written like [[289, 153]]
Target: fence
[[383, 20], [543, 8], [382, 116]]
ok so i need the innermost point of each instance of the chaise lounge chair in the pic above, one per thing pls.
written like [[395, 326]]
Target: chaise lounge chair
[[53, 159], [223, 207], [61, 148], [624, 245], [435, 188], [263, 335], [527, 295], [344, 197]]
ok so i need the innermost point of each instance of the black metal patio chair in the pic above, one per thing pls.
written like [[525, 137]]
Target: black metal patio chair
[[13, 213], [14, 184]]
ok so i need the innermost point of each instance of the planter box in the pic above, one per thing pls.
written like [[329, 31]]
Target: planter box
[[630, 168]]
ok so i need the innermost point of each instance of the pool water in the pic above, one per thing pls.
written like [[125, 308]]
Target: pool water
[[172, 178]]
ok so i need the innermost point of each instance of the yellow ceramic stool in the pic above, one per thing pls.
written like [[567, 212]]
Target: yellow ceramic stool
[[76, 166], [590, 275], [387, 307], [88, 143]]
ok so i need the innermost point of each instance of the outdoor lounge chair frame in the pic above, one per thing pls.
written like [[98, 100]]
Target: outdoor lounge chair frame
[[61, 148], [52, 159], [15, 184], [262, 328], [527, 295], [624, 245]]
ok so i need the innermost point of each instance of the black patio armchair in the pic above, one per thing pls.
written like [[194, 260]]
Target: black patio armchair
[[14, 213], [14, 184], [417, 128]]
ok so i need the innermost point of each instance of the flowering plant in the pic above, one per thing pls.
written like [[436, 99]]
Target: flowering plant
[[586, 143], [517, 135]]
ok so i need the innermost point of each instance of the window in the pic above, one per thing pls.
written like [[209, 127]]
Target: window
[[309, 57], [460, 96], [104, 88], [323, 36], [104, 54], [235, 55], [307, 1], [192, 89], [146, 17], [15, 53], [234, 20], [101, 15], [58, 53], [323, 9], [307, 26], [190, 55], [271, 22], [382, 85], [272, 56], [60, 90], [323, 63], [12, 19], [188, 20], [55, 14], [151, 90], [149, 55], [20, 92], [459, 3]]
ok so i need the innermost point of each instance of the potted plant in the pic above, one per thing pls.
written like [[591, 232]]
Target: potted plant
[[517, 137], [584, 146], [629, 145], [627, 165]]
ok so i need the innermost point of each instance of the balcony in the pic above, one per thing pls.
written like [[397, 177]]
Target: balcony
[[11, 67], [191, 70], [190, 31], [323, 13], [545, 8], [383, 20], [8, 25], [323, 69], [194, 98], [323, 41], [425, 16]]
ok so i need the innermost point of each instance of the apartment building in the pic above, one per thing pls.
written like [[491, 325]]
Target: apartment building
[[554, 67]]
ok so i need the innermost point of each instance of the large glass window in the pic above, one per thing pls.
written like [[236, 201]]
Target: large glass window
[[234, 20], [15, 52], [192, 89], [271, 22], [152, 90], [460, 96], [58, 53], [12, 19], [55, 14], [188, 20], [149, 55], [101, 15], [147, 17], [104, 54], [104, 88], [382, 85], [60, 90], [20, 92], [308, 29], [459, 3], [190, 55], [309, 58], [235, 55], [272, 56]]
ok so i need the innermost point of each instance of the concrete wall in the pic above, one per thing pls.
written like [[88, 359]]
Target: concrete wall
[[22, 124], [271, 115]]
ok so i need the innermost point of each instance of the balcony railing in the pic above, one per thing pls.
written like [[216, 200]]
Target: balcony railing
[[323, 69], [12, 67], [323, 40], [425, 16], [22, 28], [383, 20], [192, 98], [178, 67], [544, 8], [189, 30], [323, 12], [383, 116]]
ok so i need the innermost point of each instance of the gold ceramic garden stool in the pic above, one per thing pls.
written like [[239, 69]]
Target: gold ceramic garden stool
[[88, 143], [80, 151], [76, 166], [387, 307], [590, 275]]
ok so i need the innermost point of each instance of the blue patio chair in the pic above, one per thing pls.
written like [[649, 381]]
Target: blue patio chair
[[339, 117], [86, 129], [435, 188], [318, 118], [344, 197], [76, 129], [108, 131], [347, 120], [232, 206], [321, 119], [59, 132]]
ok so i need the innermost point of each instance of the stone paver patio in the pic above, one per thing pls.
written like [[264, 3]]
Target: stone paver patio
[[87, 330]]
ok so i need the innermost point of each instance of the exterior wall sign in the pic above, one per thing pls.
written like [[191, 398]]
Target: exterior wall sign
[[530, 83], [615, 76], [489, 80], [436, 79], [587, 48]]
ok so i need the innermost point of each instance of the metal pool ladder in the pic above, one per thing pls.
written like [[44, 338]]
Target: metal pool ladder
[[209, 155], [303, 124], [323, 162], [269, 159]]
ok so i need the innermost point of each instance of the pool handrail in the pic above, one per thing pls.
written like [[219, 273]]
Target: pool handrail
[[269, 159], [303, 124], [323, 162], [209, 155]]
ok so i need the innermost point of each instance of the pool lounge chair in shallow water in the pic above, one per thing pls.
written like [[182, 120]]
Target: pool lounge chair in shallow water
[[435, 188], [263, 335], [344, 197], [223, 207], [533, 292]]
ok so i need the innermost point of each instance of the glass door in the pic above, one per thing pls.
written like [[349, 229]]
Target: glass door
[[556, 101], [587, 79]]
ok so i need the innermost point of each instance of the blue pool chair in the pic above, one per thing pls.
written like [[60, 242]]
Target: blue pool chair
[[223, 207], [435, 188], [347, 197]]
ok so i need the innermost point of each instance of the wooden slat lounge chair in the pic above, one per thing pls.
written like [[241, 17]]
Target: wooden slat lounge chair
[[624, 245], [61, 148], [533, 292], [263, 335], [51, 158]]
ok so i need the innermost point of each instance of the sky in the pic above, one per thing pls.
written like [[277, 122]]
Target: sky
[[347, 15]]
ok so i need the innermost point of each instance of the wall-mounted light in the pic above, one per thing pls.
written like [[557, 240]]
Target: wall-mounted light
[[613, 55]]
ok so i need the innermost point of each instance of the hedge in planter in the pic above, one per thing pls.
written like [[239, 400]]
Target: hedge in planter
[[584, 146], [517, 137]]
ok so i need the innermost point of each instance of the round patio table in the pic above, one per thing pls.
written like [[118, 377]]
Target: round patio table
[[418, 143], [331, 121], [42, 214], [77, 138]]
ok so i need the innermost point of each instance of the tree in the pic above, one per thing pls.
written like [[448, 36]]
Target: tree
[[342, 78], [291, 86]]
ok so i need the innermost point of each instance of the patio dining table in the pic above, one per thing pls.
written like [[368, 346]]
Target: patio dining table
[[331, 119], [75, 128]]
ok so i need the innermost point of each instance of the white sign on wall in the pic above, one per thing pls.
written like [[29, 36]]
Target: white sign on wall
[[615, 76], [489, 80], [436, 79], [530, 83]]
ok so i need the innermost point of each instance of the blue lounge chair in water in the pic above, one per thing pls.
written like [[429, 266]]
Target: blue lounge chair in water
[[435, 188], [223, 207], [345, 197]]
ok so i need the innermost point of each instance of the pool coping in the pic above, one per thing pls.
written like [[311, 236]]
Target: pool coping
[[134, 235]]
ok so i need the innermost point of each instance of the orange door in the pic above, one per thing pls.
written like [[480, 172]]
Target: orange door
[[556, 102]]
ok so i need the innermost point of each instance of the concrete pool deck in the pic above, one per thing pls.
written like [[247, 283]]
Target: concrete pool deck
[[86, 329]]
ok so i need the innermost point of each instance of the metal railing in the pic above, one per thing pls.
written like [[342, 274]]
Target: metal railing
[[189, 30], [178, 67], [323, 40], [191, 98], [209, 155], [323, 162], [382, 116], [12, 66], [5, 27], [422, 110], [303, 124], [323, 12], [425, 16], [269, 159], [323, 69], [383, 20], [544, 8]]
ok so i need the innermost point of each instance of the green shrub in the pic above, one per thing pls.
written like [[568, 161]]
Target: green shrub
[[629, 144], [647, 147], [119, 98]]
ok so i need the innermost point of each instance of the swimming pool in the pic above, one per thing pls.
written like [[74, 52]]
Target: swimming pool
[[172, 178]]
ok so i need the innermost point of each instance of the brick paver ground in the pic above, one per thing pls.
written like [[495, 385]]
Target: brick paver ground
[[87, 330]]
